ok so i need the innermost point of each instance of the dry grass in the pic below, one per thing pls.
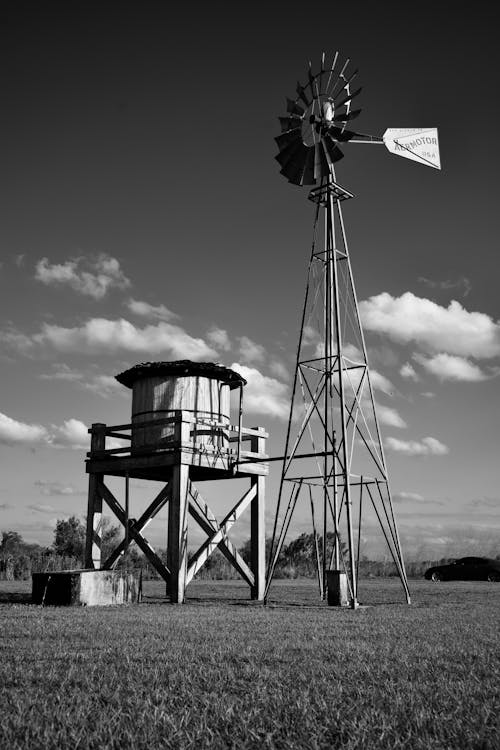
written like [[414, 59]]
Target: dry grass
[[220, 672]]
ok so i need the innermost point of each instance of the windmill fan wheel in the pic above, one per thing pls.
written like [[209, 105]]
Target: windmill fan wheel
[[316, 123]]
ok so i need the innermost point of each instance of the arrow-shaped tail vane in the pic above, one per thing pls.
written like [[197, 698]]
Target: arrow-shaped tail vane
[[419, 144]]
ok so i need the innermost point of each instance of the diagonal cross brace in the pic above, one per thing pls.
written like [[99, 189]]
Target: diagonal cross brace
[[151, 511], [219, 534], [204, 517], [141, 542]]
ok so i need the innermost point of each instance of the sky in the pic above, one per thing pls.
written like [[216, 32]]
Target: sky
[[144, 218]]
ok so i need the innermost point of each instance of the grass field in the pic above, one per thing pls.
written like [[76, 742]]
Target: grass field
[[222, 672]]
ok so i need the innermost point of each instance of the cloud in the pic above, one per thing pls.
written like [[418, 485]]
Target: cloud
[[486, 502], [71, 434], [158, 312], [437, 329], [218, 337], [250, 351], [408, 496], [428, 446], [408, 371], [278, 368], [13, 432], [41, 508], [62, 372], [263, 395], [388, 416], [89, 276], [102, 336], [381, 383], [102, 385], [461, 283], [53, 489], [450, 367]]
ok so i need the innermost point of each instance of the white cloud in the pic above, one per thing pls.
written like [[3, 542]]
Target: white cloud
[[250, 351], [452, 329], [428, 446], [71, 434], [218, 337], [381, 383], [89, 276], [389, 417], [450, 367], [104, 385], [409, 497], [157, 312], [278, 368], [52, 489], [409, 372], [13, 432], [102, 336], [263, 395], [62, 372]]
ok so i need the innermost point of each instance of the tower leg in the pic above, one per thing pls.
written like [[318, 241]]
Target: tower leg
[[93, 538], [257, 528], [177, 534]]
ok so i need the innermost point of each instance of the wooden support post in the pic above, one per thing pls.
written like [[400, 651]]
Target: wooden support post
[[93, 540], [257, 526], [177, 533]]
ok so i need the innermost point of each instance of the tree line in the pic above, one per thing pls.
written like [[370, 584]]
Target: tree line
[[19, 559]]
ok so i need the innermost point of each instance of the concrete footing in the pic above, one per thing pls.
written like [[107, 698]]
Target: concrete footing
[[85, 587]]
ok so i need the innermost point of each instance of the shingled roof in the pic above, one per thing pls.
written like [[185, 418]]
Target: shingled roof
[[181, 368]]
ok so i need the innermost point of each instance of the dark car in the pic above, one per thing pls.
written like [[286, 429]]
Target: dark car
[[466, 569]]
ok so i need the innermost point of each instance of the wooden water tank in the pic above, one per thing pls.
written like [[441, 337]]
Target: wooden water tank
[[160, 389]]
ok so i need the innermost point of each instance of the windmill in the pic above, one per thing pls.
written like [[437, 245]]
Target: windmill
[[334, 456]]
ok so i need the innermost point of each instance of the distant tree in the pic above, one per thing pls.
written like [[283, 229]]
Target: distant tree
[[12, 543], [69, 538]]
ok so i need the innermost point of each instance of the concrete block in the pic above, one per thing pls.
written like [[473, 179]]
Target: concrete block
[[85, 588]]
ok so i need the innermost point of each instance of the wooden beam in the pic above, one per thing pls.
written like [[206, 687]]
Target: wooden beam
[[151, 511], [141, 542], [258, 527], [93, 537], [177, 534], [213, 541], [204, 517]]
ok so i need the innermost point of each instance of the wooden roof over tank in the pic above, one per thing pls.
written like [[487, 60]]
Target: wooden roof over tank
[[182, 368]]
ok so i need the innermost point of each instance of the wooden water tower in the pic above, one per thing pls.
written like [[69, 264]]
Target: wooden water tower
[[180, 433]]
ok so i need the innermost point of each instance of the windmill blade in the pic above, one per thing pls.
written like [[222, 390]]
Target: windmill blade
[[340, 134], [301, 94], [418, 144], [346, 116], [291, 136], [293, 107], [290, 123], [293, 168], [334, 152], [321, 162], [308, 177], [289, 153], [348, 98]]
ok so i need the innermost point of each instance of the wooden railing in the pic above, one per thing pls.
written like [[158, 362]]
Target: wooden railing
[[186, 428]]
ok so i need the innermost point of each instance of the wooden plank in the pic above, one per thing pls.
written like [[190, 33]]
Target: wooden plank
[[177, 534], [202, 514], [212, 542], [137, 526], [93, 538], [258, 527], [141, 542]]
